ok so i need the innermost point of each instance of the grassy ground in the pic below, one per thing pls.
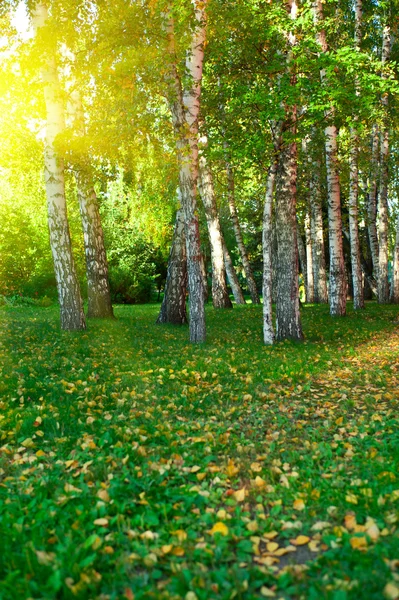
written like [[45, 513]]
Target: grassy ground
[[133, 465]]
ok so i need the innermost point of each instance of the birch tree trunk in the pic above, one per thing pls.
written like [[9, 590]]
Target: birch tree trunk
[[357, 279], [232, 276], [302, 259], [383, 285], [267, 244], [220, 295], [185, 110], [316, 230], [309, 261], [288, 321], [337, 291], [98, 290], [238, 235], [394, 297], [173, 308], [372, 201], [71, 305]]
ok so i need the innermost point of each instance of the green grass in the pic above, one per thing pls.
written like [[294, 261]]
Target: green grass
[[130, 424]]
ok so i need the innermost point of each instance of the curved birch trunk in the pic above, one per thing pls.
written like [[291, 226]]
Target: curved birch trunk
[[173, 308], [316, 230], [357, 279], [372, 201], [185, 110], [267, 244], [238, 235], [71, 305], [337, 292], [383, 285], [232, 276], [220, 295], [98, 290]]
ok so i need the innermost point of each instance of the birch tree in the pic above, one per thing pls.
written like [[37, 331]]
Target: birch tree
[[98, 290], [71, 305], [358, 298], [337, 283], [184, 105], [316, 231], [288, 320], [220, 296], [383, 285]]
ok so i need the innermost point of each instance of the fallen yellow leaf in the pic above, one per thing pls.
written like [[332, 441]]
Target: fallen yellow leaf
[[219, 528], [271, 546], [102, 522], [358, 543], [299, 504], [239, 495], [301, 540]]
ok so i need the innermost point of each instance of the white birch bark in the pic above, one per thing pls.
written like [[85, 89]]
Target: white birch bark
[[267, 245], [309, 261], [185, 110], [71, 306], [173, 308], [238, 234], [316, 229], [98, 290], [357, 279], [232, 276], [337, 283], [220, 295], [372, 200], [302, 258], [394, 294], [383, 285]]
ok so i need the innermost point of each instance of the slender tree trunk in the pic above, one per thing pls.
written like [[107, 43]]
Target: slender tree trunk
[[72, 315], [309, 261], [173, 308], [366, 271], [267, 243], [238, 235], [383, 285], [394, 297], [337, 292], [185, 111], [220, 295], [372, 201], [302, 259], [98, 290], [316, 229], [357, 279], [204, 275], [232, 275]]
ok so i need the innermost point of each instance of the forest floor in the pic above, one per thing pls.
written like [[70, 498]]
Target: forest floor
[[133, 465]]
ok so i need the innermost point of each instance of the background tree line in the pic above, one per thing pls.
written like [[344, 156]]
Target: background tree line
[[276, 122]]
